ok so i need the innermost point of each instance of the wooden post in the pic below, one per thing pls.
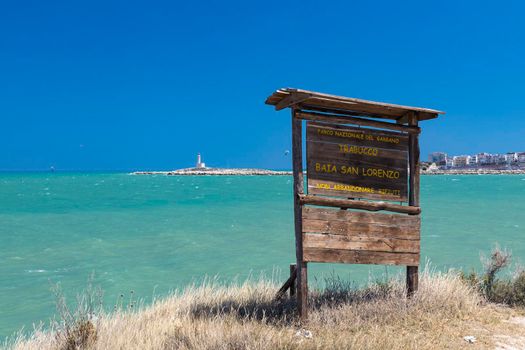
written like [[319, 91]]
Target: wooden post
[[413, 196], [298, 189], [293, 267]]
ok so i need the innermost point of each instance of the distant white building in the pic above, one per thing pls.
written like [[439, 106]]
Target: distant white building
[[461, 161], [512, 157], [500, 158], [200, 164], [521, 157], [485, 158]]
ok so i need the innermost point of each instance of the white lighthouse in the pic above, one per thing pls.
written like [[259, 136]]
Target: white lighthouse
[[200, 164]]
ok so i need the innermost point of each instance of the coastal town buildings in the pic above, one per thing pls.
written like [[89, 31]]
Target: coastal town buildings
[[509, 160], [500, 158], [460, 161], [512, 157], [484, 158]]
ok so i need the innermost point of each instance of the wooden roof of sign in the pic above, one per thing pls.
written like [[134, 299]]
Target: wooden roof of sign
[[310, 100]]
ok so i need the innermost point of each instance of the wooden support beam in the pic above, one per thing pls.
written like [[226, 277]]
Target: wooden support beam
[[413, 195], [302, 272], [291, 100], [327, 118], [354, 204], [293, 272], [289, 284]]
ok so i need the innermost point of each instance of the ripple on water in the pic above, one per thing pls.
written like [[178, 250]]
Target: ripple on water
[[62, 269]]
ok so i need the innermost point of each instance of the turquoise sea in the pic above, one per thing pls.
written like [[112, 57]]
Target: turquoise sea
[[152, 234]]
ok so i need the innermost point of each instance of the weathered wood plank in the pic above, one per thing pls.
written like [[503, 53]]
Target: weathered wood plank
[[360, 257], [337, 119], [349, 230], [378, 244], [360, 229], [326, 214], [339, 186], [338, 168], [331, 188], [372, 155], [357, 173], [352, 106], [357, 136], [356, 204]]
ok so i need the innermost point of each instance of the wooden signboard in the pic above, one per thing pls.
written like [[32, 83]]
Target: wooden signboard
[[354, 162], [342, 236], [356, 166]]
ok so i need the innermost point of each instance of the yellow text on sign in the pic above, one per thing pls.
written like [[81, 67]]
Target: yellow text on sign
[[358, 189], [358, 135], [329, 168], [367, 151]]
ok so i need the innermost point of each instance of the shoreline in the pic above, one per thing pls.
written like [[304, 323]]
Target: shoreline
[[266, 172], [216, 172]]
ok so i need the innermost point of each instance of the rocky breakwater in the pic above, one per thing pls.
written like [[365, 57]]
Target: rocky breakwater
[[214, 171]]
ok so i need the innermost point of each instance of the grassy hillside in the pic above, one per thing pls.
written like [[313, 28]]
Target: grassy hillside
[[446, 308]]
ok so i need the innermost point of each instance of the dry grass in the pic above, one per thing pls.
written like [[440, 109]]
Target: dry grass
[[211, 316]]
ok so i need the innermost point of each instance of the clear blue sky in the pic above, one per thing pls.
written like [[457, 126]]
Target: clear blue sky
[[93, 85]]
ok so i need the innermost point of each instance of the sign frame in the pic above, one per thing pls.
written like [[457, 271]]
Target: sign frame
[[358, 235]]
